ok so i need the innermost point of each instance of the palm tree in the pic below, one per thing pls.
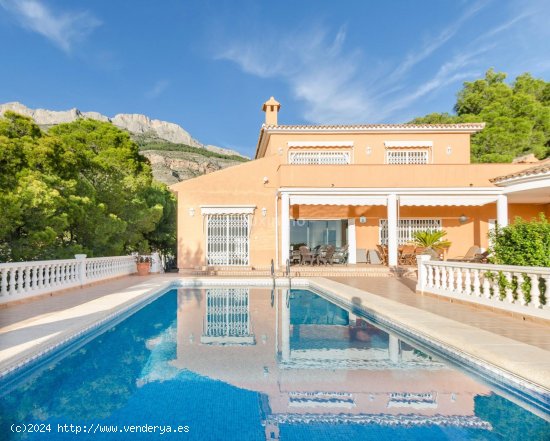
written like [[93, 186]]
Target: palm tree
[[432, 240]]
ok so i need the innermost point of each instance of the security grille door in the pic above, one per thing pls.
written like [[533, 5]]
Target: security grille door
[[227, 239]]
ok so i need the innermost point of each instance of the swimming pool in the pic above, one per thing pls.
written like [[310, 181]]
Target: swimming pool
[[253, 364]]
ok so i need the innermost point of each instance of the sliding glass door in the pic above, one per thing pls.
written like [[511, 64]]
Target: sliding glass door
[[318, 232]]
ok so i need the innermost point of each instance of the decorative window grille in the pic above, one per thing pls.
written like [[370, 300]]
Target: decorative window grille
[[321, 157], [227, 312], [407, 157], [227, 239], [406, 229]]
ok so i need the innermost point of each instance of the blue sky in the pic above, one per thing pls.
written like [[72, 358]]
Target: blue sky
[[209, 65]]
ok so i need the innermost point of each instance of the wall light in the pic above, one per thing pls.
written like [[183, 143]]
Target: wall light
[[362, 220], [266, 179], [449, 150], [264, 212], [191, 211], [369, 150], [463, 219]]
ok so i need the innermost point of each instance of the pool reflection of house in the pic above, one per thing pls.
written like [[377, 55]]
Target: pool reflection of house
[[355, 185], [312, 361]]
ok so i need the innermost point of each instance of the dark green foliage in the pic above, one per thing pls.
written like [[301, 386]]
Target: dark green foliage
[[81, 188], [147, 143], [517, 116]]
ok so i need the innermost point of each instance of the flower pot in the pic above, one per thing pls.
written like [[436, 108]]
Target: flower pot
[[143, 268]]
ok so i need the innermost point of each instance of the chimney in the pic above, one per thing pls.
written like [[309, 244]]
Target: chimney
[[271, 108]]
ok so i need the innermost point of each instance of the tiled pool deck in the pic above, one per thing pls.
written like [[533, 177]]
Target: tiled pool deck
[[519, 347]]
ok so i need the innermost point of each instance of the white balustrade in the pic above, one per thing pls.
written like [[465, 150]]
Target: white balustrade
[[19, 280], [511, 288]]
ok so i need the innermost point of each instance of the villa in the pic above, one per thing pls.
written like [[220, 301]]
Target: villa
[[359, 186]]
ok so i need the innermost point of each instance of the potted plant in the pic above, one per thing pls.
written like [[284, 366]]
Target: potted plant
[[143, 263], [433, 240]]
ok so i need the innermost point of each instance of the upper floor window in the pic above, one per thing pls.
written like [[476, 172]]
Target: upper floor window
[[408, 152], [407, 157], [320, 157]]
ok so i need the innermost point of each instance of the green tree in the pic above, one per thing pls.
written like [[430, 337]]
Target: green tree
[[82, 187], [517, 116]]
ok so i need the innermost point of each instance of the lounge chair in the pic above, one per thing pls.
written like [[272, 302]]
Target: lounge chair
[[468, 257]]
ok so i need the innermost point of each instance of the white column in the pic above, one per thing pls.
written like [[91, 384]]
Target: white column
[[285, 227], [502, 210], [393, 349], [352, 243], [392, 229], [285, 326]]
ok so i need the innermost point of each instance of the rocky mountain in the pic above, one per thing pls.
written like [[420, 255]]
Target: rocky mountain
[[174, 154]]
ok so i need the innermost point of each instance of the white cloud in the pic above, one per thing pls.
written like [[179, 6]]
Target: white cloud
[[64, 29], [315, 66], [157, 89], [337, 84], [434, 43]]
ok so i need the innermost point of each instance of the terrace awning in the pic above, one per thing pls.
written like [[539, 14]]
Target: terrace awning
[[445, 200]]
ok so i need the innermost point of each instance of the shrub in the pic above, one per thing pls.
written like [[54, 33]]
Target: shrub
[[523, 243]]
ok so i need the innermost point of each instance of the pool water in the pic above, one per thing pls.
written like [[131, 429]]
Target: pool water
[[255, 364]]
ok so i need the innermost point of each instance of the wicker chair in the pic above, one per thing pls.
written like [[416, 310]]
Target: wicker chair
[[306, 255], [341, 255], [408, 256], [383, 252], [326, 256]]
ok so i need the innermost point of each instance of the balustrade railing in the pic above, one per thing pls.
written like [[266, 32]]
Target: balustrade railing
[[19, 280], [520, 289]]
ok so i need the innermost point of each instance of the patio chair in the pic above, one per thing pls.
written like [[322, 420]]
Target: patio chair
[[306, 255], [407, 256], [470, 254], [341, 255], [383, 252], [481, 257], [326, 256]]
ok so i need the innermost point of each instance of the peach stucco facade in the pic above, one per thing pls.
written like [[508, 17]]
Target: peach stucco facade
[[359, 175]]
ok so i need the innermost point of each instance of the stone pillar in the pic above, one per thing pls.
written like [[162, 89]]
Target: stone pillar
[[352, 243], [156, 266], [392, 229], [81, 268], [422, 273], [502, 210], [285, 228]]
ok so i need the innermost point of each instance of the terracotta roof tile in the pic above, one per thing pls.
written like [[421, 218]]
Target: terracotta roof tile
[[467, 126], [542, 167]]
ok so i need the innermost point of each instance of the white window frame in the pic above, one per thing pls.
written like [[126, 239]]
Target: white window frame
[[319, 157], [407, 155], [406, 229]]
